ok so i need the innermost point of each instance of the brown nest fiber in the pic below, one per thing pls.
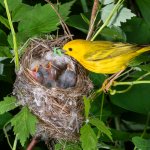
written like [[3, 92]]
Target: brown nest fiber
[[58, 109]]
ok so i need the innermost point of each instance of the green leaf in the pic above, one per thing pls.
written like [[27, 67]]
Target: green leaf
[[4, 118], [5, 52], [144, 6], [40, 19], [145, 67], [77, 22], [7, 104], [4, 21], [3, 38], [88, 138], [122, 15], [137, 31], [140, 143], [87, 106], [97, 79], [136, 99], [24, 124], [11, 4], [67, 146], [121, 135], [101, 127], [20, 12], [113, 34], [139, 60]]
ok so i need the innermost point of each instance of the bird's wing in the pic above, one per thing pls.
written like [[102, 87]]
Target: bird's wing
[[105, 49]]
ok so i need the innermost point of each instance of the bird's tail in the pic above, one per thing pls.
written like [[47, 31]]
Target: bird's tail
[[144, 49]]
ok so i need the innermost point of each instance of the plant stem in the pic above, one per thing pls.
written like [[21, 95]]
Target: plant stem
[[101, 112], [146, 125], [6, 135], [108, 18], [15, 143], [13, 35], [131, 83], [102, 104]]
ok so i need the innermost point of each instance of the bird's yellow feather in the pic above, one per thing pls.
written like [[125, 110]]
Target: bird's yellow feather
[[103, 56]]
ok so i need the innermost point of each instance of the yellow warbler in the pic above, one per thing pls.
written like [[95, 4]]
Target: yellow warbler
[[103, 56]]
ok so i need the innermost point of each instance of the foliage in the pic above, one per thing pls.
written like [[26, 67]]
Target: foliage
[[114, 120], [24, 125], [7, 104]]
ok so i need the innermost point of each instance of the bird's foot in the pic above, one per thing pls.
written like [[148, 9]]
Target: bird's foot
[[109, 82]]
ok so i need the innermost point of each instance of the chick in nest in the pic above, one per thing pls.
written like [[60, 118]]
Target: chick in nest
[[37, 74], [67, 78], [44, 74], [49, 75]]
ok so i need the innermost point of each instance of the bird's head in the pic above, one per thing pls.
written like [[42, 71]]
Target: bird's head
[[75, 48]]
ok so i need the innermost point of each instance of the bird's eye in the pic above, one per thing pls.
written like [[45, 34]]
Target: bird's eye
[[70, 49]]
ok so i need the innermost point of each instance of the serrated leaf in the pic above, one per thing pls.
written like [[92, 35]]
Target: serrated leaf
[[20, 12], [122, 15], [87, 106], [40, 20], [88, 138], [140, 143], [11, 4], [24, 125], [101, 127], [7, 104]]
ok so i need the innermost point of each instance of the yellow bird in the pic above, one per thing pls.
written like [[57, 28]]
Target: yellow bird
[[103, 56]]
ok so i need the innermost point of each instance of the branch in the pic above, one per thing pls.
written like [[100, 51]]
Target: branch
[[93, 18]]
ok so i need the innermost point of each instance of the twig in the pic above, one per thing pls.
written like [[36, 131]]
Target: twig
[[32, 144], [63, 24], [93, 18]]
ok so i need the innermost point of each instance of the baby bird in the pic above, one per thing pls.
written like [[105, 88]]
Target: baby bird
[[67, 78], [49, 74], [37, 74]]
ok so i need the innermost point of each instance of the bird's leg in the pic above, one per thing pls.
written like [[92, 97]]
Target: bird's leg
[[108, 82]]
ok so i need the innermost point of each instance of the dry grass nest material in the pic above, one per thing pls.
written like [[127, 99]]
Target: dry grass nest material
[[59, 110]]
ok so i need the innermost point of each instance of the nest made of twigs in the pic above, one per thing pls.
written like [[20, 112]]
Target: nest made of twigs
[[59, 110]]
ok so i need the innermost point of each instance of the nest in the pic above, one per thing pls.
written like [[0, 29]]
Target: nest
[[58, 108]]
